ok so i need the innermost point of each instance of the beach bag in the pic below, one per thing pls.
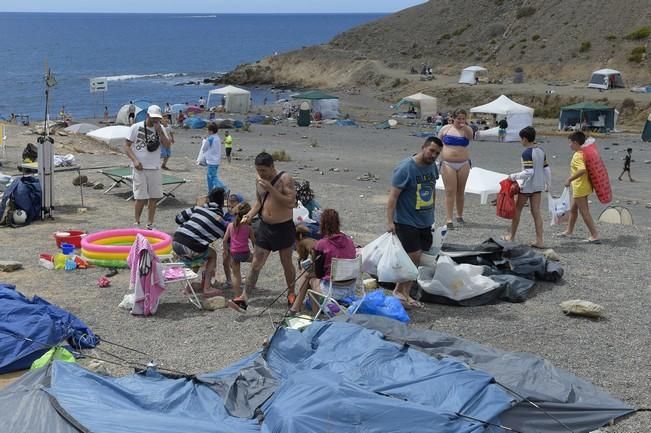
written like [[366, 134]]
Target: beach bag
[[559, 208], [597, 171], [395, 265], [505, 201], [201, 159]]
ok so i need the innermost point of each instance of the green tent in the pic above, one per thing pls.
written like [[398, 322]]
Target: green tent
[[597, 116], [327, 105]]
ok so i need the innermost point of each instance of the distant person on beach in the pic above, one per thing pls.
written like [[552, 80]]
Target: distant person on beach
[[180, 119], [501, 130], [166, 152], [62, 113], [228, 145], [581, 190], [455, 165], [275, 201], [223, 102], [627, 165], [142, 148], [132, 112], [410, 207], [212, 152], [167, 111], [202, 102], [534, 178], [106, 114]]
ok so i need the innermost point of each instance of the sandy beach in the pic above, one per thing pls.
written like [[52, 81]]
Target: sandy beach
[[613, 352]]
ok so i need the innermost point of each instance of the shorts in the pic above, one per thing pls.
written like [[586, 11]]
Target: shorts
[[147, 184], [229, 150], [414, 239], [132, 115], [241, 257], [501, 132], [186, 253], [275, 237], [165, 152]]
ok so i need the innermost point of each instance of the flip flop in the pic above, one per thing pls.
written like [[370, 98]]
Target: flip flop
[[592, 241], [538, 247]]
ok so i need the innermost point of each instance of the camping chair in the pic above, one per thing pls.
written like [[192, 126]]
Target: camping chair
[[123, 175], [340, 270], [178, 272]]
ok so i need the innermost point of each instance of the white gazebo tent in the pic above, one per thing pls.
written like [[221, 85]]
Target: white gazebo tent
[[517, 116], [425, 105], [236, 100], [469, 74], [606, 79]]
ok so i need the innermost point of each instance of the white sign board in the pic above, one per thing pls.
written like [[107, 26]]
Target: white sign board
[[99, 84]]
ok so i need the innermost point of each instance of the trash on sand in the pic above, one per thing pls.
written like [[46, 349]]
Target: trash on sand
[[580, 307], [550, 254], [103, 282], [213, 303], [10, 265]]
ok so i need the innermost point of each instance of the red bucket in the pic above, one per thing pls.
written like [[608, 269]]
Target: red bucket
[[69, 237]]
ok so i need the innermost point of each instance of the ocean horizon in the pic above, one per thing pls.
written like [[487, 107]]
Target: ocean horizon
[[159, 57]]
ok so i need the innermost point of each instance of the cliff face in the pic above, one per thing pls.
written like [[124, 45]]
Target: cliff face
[[549, 39]]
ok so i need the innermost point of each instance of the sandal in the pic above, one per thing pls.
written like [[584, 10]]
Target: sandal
[[238, 304]]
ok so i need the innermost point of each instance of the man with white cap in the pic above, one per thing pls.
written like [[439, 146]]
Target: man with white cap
[[142, 148]]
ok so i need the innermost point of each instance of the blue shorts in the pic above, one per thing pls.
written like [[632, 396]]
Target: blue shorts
[[165, 152]]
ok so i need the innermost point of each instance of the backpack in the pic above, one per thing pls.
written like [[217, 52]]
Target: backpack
[[30, 152], [23, 193]]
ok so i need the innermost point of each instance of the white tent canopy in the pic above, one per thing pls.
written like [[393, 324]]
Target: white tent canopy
[[236, 100], [606, 79], [480, 181], [517, 116], [425, 105], [114, 136], [469, 74]]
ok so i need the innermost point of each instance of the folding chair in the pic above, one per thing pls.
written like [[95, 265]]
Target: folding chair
[[341, 270], [179, 272]]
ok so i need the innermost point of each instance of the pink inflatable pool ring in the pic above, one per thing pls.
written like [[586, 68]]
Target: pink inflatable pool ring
[[110, 245]]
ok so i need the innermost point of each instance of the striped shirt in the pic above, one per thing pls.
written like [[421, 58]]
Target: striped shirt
[[199, 226]]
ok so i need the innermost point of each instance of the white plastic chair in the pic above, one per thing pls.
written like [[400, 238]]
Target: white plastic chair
[[341, 270]]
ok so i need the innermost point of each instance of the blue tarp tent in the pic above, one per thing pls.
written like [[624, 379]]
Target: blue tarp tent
[[194, 123], [29, 328], [646, 132], [372, 374]]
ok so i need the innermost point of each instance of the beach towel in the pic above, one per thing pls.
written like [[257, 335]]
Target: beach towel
[[146, 278]]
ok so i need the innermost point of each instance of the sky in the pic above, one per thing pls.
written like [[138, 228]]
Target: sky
[[207, 6]]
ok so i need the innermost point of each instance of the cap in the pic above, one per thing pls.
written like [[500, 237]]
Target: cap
[[154, 111]]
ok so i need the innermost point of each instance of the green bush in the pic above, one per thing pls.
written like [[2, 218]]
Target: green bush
[[585, 46], [280, 155], [638, 34], [460, 30], [525, 11], [535, 37], [446, 36], [511, 46], [637, 54], [611, 37], [523, 40]]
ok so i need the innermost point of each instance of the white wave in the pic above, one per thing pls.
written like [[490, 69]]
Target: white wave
[[199, 16], [145, 76]]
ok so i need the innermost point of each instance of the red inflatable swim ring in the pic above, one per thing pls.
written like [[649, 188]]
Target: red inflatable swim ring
[[597, 171]]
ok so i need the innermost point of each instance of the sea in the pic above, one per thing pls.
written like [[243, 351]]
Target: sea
[[155, 57]]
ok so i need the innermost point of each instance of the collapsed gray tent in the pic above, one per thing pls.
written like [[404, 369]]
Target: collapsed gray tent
[[372, 374]]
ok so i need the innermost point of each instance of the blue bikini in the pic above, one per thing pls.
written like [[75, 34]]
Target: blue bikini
[[455, 140]]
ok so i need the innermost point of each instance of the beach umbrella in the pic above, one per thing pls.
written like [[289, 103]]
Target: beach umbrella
[[141, 112], [81, 128], [179, 107], [114, 136]]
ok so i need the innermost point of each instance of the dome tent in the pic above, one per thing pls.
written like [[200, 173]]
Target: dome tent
[[236, 100], [323, 103], [646, 132], [122, 117], [425, 105], [606, 79], [517, 116], [469, 74], [616, 215]]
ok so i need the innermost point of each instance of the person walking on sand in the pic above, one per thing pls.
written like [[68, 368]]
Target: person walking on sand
[[581, 190], [142, 149], [275, 201], [228, 145], [502, 125], [534, 178], [455, 165], [410, 208], [627, 165], [106, 114], [166, 152], [212, 152]]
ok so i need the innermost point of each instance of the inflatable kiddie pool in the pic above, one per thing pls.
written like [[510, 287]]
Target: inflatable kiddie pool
[[110, 248]]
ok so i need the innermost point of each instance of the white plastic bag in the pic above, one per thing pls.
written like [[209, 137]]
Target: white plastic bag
[[201, 159], [301, 215], [453, 281], [559, 208], [438, 237], [372, 253], [395, 265]]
